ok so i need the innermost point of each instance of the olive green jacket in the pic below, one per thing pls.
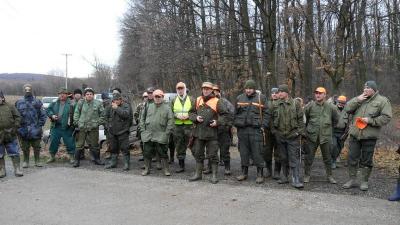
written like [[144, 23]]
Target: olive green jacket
[[9, 122], [157, 124], [320, 120], [287, 118], [88, 115], [377, 109]]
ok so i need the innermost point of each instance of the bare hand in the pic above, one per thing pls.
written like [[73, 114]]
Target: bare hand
[[183, 117], [54, 117], [362, 97], [365, 119], [114, 105], [213, 124], [199, 119]]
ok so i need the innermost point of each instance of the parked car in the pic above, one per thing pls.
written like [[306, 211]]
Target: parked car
[[98, 96], [47, 100]]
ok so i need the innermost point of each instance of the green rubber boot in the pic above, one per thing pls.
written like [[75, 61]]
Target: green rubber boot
[[16, 164], [365, 173], [198, 174], [214, 171], [25, 164], [127, 162], [2, 168], [36, 156], [52, 158], [353, 176], [112, 163], [146, 170]]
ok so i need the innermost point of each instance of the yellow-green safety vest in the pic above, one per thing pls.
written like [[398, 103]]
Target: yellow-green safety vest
[[180, 109]]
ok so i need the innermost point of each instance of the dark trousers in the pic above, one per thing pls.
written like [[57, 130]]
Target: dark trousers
[[289, 150], [271, 148], [361, 152], [202, 147], [153, 148], [181, 138], [337, 145], [224, 142], [251, 145], [119, 142]]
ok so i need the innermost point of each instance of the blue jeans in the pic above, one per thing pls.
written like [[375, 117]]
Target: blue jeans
[[12, 148]]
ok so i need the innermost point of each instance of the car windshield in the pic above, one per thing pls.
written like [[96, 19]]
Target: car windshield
[[48, 99]]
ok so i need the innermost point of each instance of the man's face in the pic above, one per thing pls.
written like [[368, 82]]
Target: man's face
[[150, 95], [158, 99], [341, 104], [118, 101], [180, 91], [275, 96], [217, 93], [77, 96], [206, 91], [368, 91], [62, 96], [319, 96], [283, 95], [89, 96], [249, 91]]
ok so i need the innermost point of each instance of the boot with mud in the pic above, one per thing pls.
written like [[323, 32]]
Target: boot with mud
[[244, 175], [198, 174]]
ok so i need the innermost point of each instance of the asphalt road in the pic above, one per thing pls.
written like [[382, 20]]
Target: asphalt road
[[61, 195]]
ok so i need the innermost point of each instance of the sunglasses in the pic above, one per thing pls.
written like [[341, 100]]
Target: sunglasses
[[157, 96]]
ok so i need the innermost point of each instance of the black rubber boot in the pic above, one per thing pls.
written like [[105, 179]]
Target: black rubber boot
[[284, 176], [96, 157], [208, 170], [245, 173], [198, 173], [296, 178], [227, 165], [277, 170], [171, 156], [127, 161], [268, 166], [77, 158], [214, 169], [181, 166], [260, 175]]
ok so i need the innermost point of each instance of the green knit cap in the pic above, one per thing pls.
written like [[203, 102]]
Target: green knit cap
[[250, 84]]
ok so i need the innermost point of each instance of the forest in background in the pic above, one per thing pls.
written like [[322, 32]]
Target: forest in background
[[338, 44]]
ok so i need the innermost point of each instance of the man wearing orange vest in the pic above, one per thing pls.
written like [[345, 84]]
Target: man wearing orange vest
[[207, 116], [251, 118], [181, 106]]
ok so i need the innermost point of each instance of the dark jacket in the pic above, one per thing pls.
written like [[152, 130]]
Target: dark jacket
[[203, 130], [33, 117], [251, 111], [117, 121], [9, 122]]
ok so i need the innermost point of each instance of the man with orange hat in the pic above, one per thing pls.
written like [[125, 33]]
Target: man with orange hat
[[155, 128], [181, 106], [370, 112], [321, 117], [208, 115], [340, 130]]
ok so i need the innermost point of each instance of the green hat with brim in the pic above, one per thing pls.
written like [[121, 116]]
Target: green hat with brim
[[250, 84]]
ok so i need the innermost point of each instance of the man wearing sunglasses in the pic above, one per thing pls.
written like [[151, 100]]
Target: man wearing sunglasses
[[321, 117]]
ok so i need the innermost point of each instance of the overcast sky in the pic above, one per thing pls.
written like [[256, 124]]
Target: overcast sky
[[35, 33]]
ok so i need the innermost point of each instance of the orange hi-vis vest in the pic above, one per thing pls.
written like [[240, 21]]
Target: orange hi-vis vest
[[212, 103]]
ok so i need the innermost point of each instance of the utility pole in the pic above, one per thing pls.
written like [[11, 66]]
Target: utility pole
[[66, 69]]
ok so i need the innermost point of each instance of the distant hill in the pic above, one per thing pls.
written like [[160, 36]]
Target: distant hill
[[24, 76]]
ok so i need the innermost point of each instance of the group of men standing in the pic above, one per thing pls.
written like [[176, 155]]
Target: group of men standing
[[272, 134]]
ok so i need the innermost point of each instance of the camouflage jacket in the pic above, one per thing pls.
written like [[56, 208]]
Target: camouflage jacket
[[9, 122], [33, 117]]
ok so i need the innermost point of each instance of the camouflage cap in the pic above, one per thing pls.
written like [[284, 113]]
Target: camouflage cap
[[62, 91]]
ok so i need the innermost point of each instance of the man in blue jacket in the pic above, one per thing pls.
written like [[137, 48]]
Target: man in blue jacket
[[33, 118]]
